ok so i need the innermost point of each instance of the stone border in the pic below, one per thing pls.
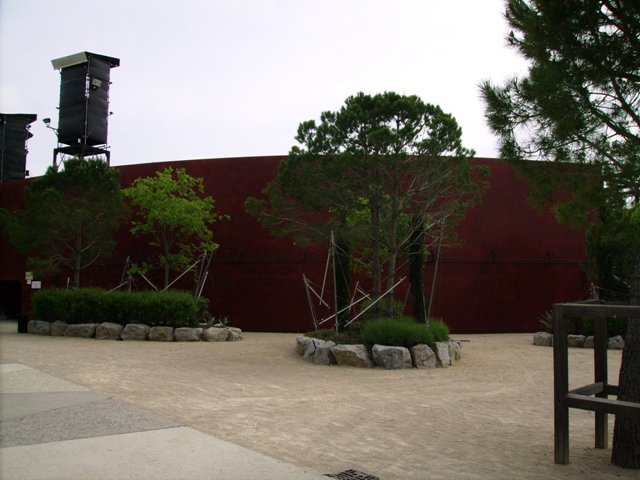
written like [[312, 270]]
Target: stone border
[[134, 331], [322, 352], [545, 339]]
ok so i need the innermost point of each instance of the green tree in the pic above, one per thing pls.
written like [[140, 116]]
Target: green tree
[[404, 157], [172, 212], [390, 155], [580, 104], [307, 203], [70, 217]]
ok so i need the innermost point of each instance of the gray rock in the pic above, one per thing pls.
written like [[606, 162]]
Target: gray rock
[[391, 357], [161, 334], [589, 342], [455, 351], [302, 343], [215, 334], [422, 356], [187, 334], [323, 355], [314, 345], [135, 331], [109, 331], [443, 357], [84, 330], [353, 355], [543, 339], [576, 341], [39, 327], [234, 334], [57, 328], [616, 343]]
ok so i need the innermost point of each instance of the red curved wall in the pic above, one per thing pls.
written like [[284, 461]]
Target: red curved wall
[[514, 264]]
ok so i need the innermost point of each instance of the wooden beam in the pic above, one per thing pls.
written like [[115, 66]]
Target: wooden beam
[[595, 404]]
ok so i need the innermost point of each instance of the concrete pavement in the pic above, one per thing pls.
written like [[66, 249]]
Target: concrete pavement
[[53, 429]]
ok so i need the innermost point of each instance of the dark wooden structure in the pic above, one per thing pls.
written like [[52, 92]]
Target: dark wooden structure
[[595, 396]]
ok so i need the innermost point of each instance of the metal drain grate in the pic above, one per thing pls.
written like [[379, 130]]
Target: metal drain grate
[[352, 475]]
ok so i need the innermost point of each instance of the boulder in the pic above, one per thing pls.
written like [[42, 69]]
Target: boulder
[[135, 331], [313, 346], [353, 355], [84, 330], [302, 343], [39, 327], [391, 357], [109, 331], [234, 334], [543, 339], [323, 355], [58, 327], [455, 351], [589, 342], [215, 334], [616, 343], [422, 356], [161, 334], [576, 341], [443, 357], [187, 334]]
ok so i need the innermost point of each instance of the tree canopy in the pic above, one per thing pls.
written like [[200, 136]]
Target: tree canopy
[[387, 157], [579, 105], [171, 211], [70, 217]]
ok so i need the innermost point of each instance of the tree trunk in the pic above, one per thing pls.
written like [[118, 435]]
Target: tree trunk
[[391, 269], [626, 433], [376, 265], [167, 269], [417, 259], [342, 259], [77, 266], [76, 277]]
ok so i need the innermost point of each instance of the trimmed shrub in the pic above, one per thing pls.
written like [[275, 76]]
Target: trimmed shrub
[[402, 332], [94, 305], [440, 330]]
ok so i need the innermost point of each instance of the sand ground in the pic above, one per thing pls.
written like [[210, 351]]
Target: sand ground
[[489, 416]]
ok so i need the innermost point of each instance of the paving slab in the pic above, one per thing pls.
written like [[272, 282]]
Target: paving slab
[[54, 429], [168, 454]]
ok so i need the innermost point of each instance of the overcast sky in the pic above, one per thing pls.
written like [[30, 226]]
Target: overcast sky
[[233, 78]]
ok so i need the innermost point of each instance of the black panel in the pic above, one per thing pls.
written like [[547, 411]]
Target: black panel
[[98, 102], [13, 149], [72, 115]]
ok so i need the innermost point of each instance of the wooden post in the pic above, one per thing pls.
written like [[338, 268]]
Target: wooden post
[[601, 375], [561, 387]]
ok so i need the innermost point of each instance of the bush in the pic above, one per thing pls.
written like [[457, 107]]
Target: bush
[[440, 330], [403, 332], [94, 305], [615, 326]]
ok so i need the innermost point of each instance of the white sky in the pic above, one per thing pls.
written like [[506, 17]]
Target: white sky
[[234, 78]]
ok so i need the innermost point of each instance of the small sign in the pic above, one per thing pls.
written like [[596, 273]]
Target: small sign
[[28, 276], [36, 285]]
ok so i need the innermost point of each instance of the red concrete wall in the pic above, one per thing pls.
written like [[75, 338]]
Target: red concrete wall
[[514, 264]]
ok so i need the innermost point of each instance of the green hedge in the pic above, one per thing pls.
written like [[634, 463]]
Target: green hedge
[[403, 332], [94, 305]]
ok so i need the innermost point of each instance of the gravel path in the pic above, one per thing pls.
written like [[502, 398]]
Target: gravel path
[[489, 416]]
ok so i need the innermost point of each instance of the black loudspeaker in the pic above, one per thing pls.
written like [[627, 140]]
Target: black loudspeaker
[[84, 98], [14, 133]]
